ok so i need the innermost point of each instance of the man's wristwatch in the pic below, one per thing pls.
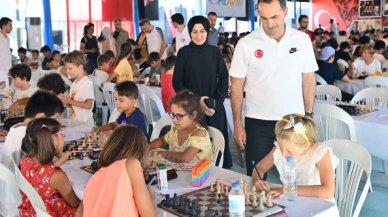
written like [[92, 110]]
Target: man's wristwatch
[[309, 114]]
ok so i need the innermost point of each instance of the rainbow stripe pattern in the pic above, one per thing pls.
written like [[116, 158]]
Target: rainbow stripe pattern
[[200, 173]]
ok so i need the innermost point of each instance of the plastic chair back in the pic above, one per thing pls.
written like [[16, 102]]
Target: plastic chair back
[[218, 143], [319, 79], [355, 161], [150, 104], [165, 120], [342, 64], [333, 123], [327, 92], [376, 81], [372, 96], [108, 89]]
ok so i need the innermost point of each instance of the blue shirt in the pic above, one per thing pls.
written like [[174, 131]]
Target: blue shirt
[[136, 118], [212, 37], [329, 71]]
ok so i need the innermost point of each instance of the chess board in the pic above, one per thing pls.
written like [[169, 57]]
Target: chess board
[[207, 200]]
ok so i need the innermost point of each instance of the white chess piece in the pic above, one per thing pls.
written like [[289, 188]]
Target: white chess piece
[[269, 200], [247, 200], [211, 186], [254, 198], [261, 205]]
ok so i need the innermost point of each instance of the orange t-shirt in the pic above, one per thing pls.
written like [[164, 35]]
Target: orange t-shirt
[[109, 192]]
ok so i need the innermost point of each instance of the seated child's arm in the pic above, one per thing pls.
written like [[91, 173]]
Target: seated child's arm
[[87, 104], [326, 174], [61, 183], [143, 196], [263, 166], [62, 158], [157, 143]]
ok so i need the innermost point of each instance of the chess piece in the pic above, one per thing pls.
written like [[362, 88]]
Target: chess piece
[[247, 200], [219, 198], [211, 186], [269, 200], [164, 214], [226, 191], [175, 201], [222, 188], [261, 205]]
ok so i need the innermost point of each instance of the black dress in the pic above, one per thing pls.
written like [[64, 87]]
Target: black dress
[[91, 57], [201, 69]]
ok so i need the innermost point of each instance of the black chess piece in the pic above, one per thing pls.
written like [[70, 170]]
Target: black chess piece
[[217, 214], [219, 198], [168, 200], [94, 166], [175, 202], [195, 212]]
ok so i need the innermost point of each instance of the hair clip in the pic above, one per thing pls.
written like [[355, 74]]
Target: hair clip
[[43, 126], [298, 128]]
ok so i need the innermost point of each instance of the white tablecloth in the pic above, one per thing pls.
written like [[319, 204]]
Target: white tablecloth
[[303, 206], [352, 87], [372, 132]]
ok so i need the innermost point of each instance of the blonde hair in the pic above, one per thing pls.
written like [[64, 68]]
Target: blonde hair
[[75, 57], [366, 47], [287, 131], [126, 141]]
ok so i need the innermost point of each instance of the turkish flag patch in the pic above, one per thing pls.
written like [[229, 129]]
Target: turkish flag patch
[[259, 53]]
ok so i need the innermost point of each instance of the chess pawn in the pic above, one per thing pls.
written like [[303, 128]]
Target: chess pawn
[[261, 205], [226, 191], [269, 200], [254, 202], [247, 200], [211, 186]]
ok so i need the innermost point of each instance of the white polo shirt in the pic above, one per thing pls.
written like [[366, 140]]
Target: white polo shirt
[[5, 58], [154, 40], [273, 72], [182, 39]]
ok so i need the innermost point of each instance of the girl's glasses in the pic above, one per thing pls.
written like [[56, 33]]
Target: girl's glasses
[[179, 117], [61, 133]]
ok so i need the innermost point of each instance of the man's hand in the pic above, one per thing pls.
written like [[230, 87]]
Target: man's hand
[[240, 136]]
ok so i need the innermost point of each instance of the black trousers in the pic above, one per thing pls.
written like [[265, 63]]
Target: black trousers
[[260, 139]]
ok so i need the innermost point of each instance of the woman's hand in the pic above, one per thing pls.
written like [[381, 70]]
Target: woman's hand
[[208, 111], [261, 185]]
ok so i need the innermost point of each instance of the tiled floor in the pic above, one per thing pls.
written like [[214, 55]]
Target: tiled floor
[[375, 205]]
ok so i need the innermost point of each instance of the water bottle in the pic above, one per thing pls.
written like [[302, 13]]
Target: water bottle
[[236, 201], [290, 190]]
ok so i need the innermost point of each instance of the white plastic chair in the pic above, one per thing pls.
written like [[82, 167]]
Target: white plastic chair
[[333, 123], [372, 96], [114, 115], [218, 143], [15, 180], [150, 104], [355, 161], [319, 79], [165, 120], [327, 92], [108, 89], [376, 81], [100, 103], [342, 64]]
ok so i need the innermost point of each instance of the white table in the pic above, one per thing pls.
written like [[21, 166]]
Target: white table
[[353, 86], [304, 206], [372, 132]]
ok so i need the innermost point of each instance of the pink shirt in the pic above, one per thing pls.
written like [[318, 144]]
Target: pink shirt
[[109, 193]]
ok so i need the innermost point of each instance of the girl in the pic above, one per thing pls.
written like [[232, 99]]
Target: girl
[[188, 138], [315, 163], [118, 188], [366, 65], [123, 70], [43, 140]]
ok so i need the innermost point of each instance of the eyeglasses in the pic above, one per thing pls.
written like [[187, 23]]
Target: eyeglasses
[[61, 133], [179, 117]]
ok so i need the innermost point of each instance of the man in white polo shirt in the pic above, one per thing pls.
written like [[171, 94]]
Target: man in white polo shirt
[[277, 63], [5, 51], [182, 36], [155, 37]]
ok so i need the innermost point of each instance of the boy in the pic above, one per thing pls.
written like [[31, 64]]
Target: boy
[[22, 53], [81, 91], [168, 91], [21, 75], [100, 74], [48, 58], [41, 104], [56, 63], [126, 98], [34, 61], [112, 60], [156, 65]]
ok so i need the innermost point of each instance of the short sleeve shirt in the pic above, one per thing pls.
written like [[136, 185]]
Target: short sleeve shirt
[[154, 40], [329, 71], [361, 66], [123, 71], [82, 91], [89, 44], [273, 72], [136, 118], [182, 39]]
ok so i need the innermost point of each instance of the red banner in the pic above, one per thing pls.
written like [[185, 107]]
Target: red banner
[[342, 11], [122, 9]]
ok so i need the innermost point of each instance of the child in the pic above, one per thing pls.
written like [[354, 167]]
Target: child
[[126, 98], [168, 91], [156, 65], [43, 140], [21, 75], [56, 63], [118, 188], [188, 138], [40, 104], [52, 82], [315, 163], [111, 56], [100, 74], [81, 91], [34, 61], [123, 70], [22, 53], [47, 57]]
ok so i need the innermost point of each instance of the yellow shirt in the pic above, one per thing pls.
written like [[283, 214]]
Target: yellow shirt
[[203, 143], [123, 71]]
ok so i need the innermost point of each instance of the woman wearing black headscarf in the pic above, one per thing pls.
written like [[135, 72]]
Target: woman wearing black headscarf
[[200, 68]]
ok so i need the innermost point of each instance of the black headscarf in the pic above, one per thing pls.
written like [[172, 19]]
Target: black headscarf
[[198, 20]]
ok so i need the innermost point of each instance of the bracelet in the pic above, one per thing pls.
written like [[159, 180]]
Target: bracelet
[[309, 114]]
